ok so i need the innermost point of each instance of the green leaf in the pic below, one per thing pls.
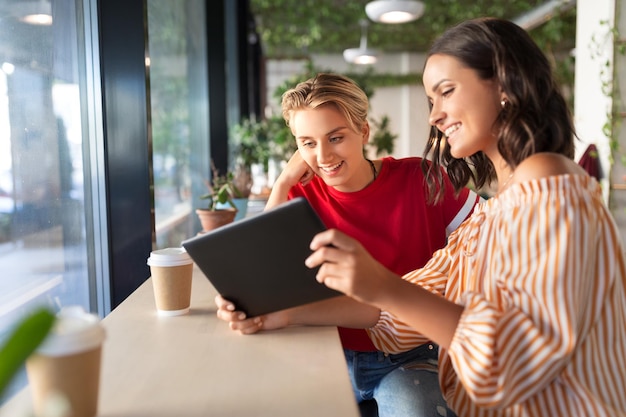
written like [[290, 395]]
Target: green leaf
[[22, 342]]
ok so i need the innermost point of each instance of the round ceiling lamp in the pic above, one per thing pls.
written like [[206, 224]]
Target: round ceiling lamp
[[361, 55], [394, 11], [35, 12]]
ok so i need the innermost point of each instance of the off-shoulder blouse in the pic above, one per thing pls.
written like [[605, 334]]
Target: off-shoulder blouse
[[540, 271]]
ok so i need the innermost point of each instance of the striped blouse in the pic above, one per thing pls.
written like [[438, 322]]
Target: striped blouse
[[540, 270]]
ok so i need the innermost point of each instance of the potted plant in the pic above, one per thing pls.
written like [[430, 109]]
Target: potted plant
[[382, 141], [221, 208], [259, 146], [249, 142]]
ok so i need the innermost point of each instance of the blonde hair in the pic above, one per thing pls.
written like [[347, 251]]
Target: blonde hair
[[328, 89]]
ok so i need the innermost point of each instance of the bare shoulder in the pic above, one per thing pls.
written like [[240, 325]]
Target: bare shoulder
[[545, 165]]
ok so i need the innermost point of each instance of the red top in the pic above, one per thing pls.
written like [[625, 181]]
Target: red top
[[392, 220]]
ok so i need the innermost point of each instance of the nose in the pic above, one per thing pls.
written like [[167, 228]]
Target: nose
[[436, 114], [323, 152]]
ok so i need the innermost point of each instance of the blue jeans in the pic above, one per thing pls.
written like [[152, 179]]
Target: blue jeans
[[406, 384]]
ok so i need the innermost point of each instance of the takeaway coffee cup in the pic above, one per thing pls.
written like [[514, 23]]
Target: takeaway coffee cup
[[171, 271], [65, 369]]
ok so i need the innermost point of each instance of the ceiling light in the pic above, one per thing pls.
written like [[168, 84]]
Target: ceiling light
[[361, 55], [36, 12], [394, 11]]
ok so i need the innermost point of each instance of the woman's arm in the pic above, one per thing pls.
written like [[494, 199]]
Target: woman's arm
[[337, 311], [347, 267]]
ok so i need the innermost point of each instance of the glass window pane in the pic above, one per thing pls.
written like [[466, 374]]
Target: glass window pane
[[43, 244], [178, 96]]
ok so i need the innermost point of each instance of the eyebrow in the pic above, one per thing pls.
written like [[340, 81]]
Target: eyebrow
[[436, 86]]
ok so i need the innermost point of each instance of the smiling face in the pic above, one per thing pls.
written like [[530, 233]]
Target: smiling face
[[464, 106], [331, 148]]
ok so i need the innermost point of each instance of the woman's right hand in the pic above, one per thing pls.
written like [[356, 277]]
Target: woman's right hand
[[238, 321], [296, 171]]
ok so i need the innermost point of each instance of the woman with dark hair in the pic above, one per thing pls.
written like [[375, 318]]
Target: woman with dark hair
[[527, 301]]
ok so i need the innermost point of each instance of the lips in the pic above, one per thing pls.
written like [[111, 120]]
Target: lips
[[332, 168]]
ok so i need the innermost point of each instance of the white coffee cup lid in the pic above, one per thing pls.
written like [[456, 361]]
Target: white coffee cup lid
[[169, 257], [73, 331]]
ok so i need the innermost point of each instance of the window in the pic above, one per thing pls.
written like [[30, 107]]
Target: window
[[178, 97], [44, 143]]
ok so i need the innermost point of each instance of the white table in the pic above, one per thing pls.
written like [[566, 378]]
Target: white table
[[194, 365]]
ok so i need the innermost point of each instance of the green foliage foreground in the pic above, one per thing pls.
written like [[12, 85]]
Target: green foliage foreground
[[22, 342]]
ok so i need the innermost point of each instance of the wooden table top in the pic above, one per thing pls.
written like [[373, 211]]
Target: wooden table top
[[194, 365]]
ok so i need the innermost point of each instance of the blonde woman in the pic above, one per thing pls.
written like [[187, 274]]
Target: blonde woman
[[384, 205]]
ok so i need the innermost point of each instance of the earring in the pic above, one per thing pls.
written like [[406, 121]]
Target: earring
[[503, 103]]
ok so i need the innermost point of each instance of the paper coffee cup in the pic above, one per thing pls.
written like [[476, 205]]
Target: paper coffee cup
[[66, 367], [171, 270]]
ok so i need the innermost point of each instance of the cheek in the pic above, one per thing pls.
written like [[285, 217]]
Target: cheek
[[485, 118], [309, 156]]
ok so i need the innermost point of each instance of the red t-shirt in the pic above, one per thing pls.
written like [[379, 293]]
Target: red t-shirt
[[392, 220]]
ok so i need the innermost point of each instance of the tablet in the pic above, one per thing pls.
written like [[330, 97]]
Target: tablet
[[258, 262]]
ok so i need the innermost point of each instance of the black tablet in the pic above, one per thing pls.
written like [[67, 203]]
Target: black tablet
[[258, 262]]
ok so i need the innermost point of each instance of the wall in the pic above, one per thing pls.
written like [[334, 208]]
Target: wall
[[600, 66], [593, 51], [617, 200]]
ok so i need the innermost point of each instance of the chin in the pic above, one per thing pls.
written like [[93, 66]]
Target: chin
[[333, 182], [461, 152], [456, 154]]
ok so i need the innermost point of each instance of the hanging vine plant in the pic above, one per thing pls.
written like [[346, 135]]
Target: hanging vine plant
[[607, 36], [295, 29], [556, 37]]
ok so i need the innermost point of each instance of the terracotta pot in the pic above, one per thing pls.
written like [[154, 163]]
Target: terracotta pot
[[212, 219]]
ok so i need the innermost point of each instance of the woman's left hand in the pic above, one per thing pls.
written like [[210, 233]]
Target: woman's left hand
[[346, 266]]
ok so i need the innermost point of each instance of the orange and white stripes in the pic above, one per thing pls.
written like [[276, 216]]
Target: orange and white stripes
[[540, 270]]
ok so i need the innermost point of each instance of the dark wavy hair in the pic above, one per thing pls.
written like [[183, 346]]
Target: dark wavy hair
[[535, 119]]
